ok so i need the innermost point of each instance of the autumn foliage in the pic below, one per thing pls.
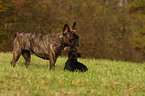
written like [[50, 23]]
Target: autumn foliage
[[106, 29]]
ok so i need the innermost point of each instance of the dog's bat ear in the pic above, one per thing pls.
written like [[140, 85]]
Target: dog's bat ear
[[78, 55], [74, 25], [66, 29]]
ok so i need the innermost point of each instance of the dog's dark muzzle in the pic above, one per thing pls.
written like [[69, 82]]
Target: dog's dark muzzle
[[77, 43]]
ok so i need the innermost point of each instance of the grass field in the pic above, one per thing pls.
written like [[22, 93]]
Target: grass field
[[104, 77]]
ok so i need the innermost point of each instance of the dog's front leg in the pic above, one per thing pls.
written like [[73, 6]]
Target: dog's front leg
[[52, 61]]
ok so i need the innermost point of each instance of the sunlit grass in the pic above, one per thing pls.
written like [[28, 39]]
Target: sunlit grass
[[104, 77]]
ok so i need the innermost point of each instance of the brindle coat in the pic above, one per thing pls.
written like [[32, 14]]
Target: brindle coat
[[72, 64], [48, 47]]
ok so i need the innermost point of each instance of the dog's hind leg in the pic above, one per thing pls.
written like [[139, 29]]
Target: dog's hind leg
[[16, 51], [26, 54], [16, 56]]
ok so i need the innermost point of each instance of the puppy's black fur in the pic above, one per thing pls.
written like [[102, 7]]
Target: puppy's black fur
[[72, 64]]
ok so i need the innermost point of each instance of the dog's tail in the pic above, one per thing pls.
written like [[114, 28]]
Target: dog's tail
[[16, 34]]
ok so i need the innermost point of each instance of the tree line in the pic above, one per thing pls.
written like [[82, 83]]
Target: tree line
[[107, 30]]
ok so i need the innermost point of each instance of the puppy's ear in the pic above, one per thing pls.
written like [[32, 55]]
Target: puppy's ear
[[66, 29], [78, 55]]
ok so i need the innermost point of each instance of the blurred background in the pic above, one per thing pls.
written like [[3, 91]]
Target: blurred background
[[108, 29]]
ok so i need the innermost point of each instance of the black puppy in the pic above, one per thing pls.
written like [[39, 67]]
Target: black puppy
[[72, 64]]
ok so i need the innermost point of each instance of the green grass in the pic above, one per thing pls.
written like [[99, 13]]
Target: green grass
[[104, 77]]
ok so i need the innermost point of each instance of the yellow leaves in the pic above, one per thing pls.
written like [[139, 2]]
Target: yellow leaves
[[1, 7], [13, 1], [1, 10], [7, 25]]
